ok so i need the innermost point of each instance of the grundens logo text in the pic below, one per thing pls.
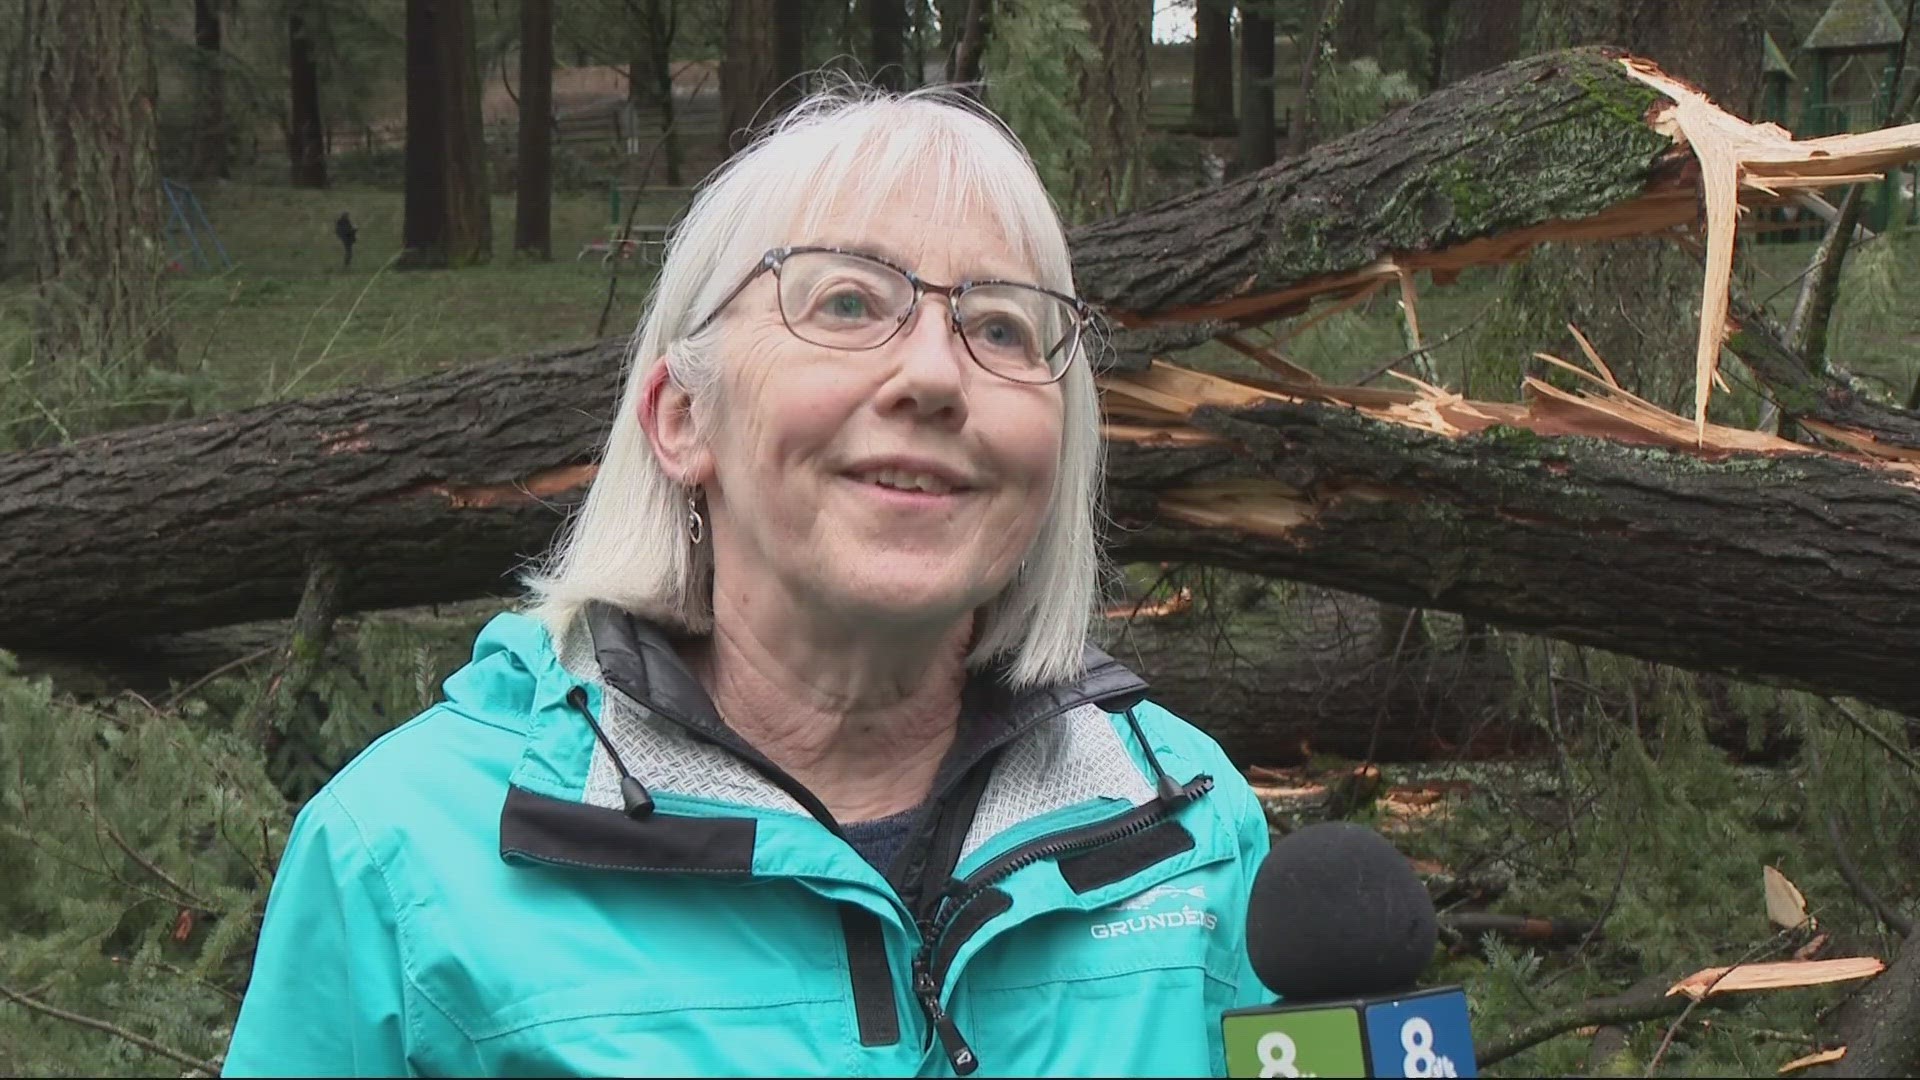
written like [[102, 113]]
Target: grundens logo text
[[1159, 920]]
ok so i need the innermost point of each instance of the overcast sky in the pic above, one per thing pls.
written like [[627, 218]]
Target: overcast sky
[[1172, 20]]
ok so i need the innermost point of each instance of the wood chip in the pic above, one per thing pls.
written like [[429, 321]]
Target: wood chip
[[1785, 905], [1779, 975], [1811, 1060]]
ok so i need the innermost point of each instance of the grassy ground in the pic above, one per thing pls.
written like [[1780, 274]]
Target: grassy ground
[[288, 319]]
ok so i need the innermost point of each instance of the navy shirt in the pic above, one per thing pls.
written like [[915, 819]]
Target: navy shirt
[[879, 841]]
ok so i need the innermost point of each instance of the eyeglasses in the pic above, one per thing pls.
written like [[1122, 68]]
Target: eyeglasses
[[841, 299]]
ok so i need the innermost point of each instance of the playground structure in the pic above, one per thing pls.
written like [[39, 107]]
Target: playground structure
[[186, 223]]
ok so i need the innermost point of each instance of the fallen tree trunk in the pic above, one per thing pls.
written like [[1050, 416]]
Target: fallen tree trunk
[[1593, 518]]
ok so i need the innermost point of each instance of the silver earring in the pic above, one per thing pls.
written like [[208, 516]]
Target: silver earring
[[696, 525]]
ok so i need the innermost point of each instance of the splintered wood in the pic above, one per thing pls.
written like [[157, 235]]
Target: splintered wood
[[1740, 163], [1762, 158], [1780, 975]]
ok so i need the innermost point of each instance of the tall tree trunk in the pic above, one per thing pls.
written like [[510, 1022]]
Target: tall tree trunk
[[764, 47], [1213, 67], [970, 45], [669, 133], [533, 178], [1113, 106], [1433, 22], [469, 195], [887, 52], [94, 188], [1713, 44], [1257, 144], [212, 156], [1303, 128], [447, 211], [16, 243], [306, 143], [423, 223], [651, 75], [1481, 34], [1356, 32]]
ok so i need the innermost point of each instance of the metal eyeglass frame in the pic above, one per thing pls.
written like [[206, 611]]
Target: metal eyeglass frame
[[771, 261]]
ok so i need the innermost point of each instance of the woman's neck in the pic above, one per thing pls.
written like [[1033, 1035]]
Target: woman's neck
[[862, 719]]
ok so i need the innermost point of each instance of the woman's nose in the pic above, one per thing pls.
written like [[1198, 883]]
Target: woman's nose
[[931, 364]]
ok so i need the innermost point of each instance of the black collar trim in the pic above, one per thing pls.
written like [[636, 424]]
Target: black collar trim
[[568, 833]]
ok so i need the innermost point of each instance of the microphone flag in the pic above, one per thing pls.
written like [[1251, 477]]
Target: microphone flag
[[1421, 1033]]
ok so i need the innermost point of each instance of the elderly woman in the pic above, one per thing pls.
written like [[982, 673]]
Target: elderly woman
[[800, 761]]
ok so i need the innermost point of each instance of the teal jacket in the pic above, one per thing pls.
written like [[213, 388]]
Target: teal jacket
[[571, 866]]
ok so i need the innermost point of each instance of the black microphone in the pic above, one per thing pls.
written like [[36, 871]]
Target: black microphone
[[1340, 927]]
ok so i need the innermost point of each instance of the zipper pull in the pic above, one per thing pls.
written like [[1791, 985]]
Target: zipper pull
[[959, 1054]]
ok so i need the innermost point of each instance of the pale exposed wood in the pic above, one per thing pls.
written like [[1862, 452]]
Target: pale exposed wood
[[1820, 1057], [1779, 975]]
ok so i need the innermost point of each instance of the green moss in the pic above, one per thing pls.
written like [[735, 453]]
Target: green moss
[[1528, 160], [1510, 438], [1622, 96]]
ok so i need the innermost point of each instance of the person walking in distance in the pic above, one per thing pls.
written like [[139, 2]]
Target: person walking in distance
[[343, 228]]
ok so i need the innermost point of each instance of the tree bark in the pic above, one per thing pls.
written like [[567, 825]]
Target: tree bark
[[1480, 160], [423, 222], [1113, 106], [533, 174], [212, 146], [1481, 35], [1880, 1024], [1715, 45], [1797, 567], [469, 202], [306, 139], [1433, 19], [1258, 146], [1213, 67], [1357, 32], [1301, 679], [434, 490], [970, 45], [448, 209], [93, 184], [887, 42], [764, 44]]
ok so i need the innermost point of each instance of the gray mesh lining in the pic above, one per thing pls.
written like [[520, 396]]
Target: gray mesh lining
[[658, 754], [1075, 757]]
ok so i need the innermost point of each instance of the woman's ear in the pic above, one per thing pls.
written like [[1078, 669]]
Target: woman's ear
[[666, 415]]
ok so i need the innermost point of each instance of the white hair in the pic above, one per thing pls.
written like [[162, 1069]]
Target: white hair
[[628, 544]]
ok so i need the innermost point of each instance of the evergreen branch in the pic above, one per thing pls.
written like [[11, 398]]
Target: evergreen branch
[[100, 822], [141, 1041], [75, 864], [1618, 1009], [175, 969], [191, 688], [1860, 722]]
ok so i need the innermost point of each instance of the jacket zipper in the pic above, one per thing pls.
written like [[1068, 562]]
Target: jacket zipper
[[951, 901], [930, 968]]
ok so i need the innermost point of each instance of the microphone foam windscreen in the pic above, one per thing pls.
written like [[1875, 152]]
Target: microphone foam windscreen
[[1337, 911]]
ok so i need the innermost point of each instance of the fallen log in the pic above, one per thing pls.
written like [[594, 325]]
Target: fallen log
[[1588, 516]]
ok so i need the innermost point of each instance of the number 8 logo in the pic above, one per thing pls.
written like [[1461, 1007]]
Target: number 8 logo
[[1276, 1051], [1416, 1037]]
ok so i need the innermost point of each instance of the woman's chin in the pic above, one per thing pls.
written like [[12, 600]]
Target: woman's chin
[[914, 597]]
